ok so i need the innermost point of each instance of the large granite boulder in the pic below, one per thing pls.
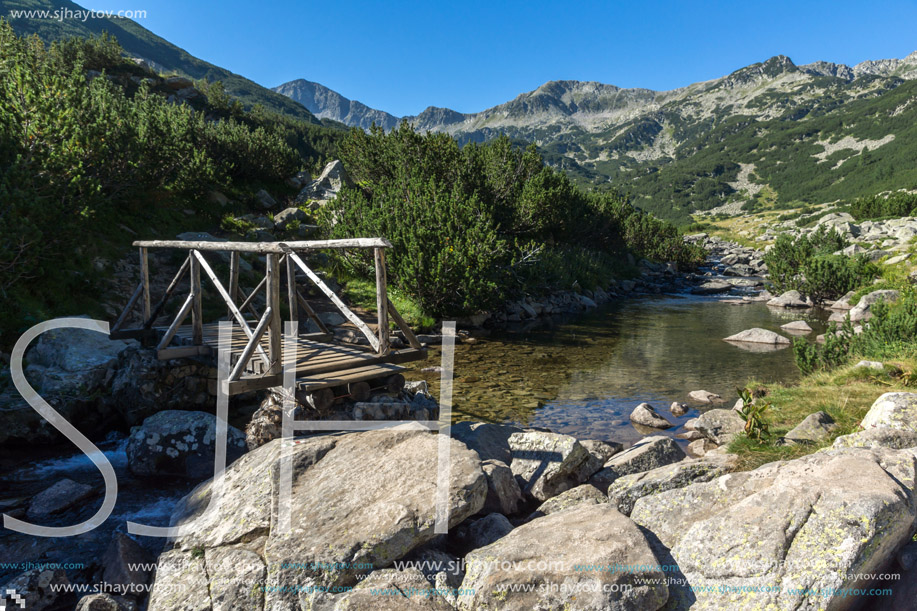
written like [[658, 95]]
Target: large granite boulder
[[548, 555], [358, 500], [720, 425], [546, 464], [788, 534], [882, 437], [503, 492], [394, 590], [648, 453], [326, 187], [490, 441], [646, 415], [894, 410], [587, 494], [863, 309], [790, 299], [814, 428], [179, 443], [758, 336], [625, 490]]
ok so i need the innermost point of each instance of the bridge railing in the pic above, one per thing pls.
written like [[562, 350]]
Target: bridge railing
[[277, 255]]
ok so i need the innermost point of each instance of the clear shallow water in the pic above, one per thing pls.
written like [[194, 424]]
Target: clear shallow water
[[584, 377]]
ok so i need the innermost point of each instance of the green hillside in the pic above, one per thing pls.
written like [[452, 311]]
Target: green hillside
[[137, 41]]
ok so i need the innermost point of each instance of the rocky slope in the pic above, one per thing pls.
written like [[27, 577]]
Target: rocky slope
[[796, 130], [325, 103]]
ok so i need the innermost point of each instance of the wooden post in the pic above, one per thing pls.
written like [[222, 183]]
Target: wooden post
[[233, 278], [145, 280], [291, 290], [381, 300], [272, 273], [197, 322]]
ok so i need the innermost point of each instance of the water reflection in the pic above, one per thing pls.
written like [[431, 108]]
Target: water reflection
[[584, 377]]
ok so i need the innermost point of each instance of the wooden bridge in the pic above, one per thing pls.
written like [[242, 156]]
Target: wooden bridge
[[322, 364]]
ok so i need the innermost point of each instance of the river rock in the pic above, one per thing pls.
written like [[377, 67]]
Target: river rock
[[646, 415], [881, 437], [797, 326], [602, 451], [720, 425], [503, 492], [790, 299], [712, 287], [143, 385], [895, 410], [758, 336], [648, 453], [483, 531], [700, 447], [545, 552], [123, 562], [106, 602], [265, 200], [814, 428], [625, 491], [794, 530], [357, 499], [863, 308], [179, 443], [35, 589], [843, 303], [73, 362], [546, 464], [490, 441], [287, 216], [703, 396], [678, 409], [587, 494], [61, 496]]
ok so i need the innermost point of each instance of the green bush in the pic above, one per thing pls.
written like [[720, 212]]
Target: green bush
[[472, 225], [875, 207], [806, 264]]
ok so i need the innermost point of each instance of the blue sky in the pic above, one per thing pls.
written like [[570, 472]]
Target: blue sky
[[404, 56]]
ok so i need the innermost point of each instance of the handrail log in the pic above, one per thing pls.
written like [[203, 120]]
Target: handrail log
[[253, 342], [266, 247]]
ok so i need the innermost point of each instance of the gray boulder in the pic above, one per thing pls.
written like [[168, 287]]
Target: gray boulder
[[546, 464], [758, 336], [37, 589], [881, 437], [625, 491], [490, 441], [843, 303], [326, 187], [124, 562], [287, 216], [894, 410], [61, 496], [482, 531], [712, 287], [601, 451], [703, 396], [678, 409], [648, 453], [357, 499], [797, 532], [503, 492], [720, 425], [863, 308], [800, 327], [547, 552], [179, 443], [646, 415], [814, 428], [587, 494], [790, 299]]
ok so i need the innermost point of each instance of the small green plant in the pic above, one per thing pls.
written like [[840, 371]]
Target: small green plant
[[752, 412]]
